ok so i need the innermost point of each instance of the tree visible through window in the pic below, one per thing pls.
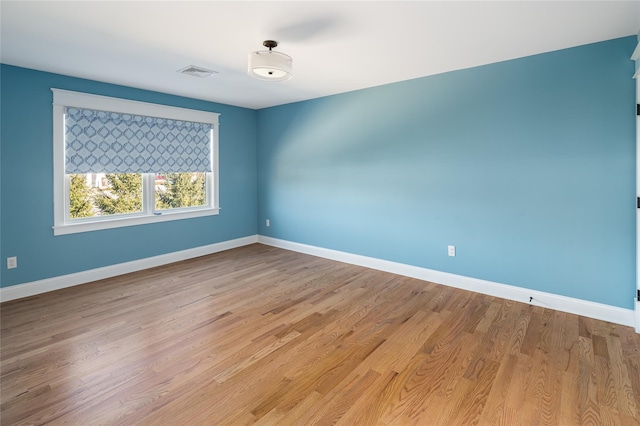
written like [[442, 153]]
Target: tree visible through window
[[80, 197], [99, 194], [123, 194], [177, 190]]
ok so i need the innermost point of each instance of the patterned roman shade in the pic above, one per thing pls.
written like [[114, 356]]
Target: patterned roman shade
[[110, 142]]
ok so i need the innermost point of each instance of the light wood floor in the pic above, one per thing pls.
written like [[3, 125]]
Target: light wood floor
[[262, 335]]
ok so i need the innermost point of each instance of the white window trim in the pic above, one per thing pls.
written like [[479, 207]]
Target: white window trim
[[65, 98]]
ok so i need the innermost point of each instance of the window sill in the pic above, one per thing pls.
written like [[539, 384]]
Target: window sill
[[73, 228]]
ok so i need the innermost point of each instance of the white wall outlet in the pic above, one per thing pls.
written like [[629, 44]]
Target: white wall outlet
[[451, 250], [268, 223], [12, 262]]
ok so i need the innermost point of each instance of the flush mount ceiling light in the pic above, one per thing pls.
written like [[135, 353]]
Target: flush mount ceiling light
[[270, 65]]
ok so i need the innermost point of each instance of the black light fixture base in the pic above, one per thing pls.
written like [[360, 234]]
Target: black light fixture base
[[270, 44]]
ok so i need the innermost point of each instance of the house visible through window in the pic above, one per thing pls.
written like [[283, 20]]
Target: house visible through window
[[122, 163]]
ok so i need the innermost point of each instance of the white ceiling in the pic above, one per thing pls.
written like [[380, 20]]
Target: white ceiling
[[337, 46]]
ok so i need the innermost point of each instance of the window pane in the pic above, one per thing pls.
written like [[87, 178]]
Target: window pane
[[176, 190], [80, 196], [104, 194]]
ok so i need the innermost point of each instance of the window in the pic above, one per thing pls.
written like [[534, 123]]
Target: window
[[122, 163]]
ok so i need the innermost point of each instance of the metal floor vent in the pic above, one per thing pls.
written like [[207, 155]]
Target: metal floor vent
[[194, 71]]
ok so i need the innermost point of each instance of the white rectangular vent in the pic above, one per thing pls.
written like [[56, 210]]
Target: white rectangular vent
[[194, 71]]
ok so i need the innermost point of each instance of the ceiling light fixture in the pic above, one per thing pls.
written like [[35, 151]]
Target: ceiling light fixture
[[270, 65]]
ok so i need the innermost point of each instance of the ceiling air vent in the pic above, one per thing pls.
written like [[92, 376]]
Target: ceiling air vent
[[194, 71]]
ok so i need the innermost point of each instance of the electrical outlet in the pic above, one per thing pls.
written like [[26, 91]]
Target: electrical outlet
[[268, 223], [452, 251], [12, 262]]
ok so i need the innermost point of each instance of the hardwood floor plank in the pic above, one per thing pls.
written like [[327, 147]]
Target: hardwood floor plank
[[495, 410], [260, 335], [621, 379], [517, 393]]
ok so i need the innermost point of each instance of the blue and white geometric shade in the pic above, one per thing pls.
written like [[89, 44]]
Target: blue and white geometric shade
[[109, 142]]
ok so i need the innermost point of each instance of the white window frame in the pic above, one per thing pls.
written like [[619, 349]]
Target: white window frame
[[63, 224]]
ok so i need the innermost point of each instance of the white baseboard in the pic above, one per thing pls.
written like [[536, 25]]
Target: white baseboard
[[548, 300], [50, 284]]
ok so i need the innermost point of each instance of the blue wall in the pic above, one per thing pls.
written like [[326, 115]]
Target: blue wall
[[527, 166], [27, 187]]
